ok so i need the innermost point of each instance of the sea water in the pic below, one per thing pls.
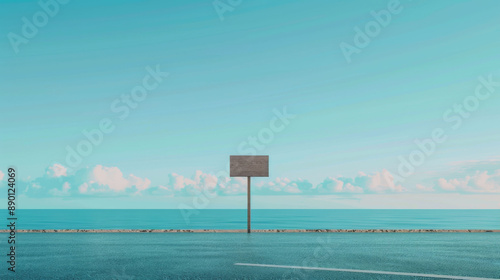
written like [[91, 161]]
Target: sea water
[[261, 219], [134, 256]]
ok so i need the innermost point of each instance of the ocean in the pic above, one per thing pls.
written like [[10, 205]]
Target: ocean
[[136, 256], [127, 256], [261, 219]]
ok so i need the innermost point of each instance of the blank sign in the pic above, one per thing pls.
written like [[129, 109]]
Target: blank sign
[[249, 166]]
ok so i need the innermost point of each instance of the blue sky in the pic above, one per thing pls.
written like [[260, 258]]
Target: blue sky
[[337, 127]]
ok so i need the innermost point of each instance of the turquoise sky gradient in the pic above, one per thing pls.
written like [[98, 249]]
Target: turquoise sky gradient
[[226, 80]]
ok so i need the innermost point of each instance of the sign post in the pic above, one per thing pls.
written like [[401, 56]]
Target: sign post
[[249, 166], [248, 206]]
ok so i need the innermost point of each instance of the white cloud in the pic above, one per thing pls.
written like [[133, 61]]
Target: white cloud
[[83, 188], [178, 185], [479, 182], [97, 180], [447, 186], [209, 181], [202, 183], [283, 185], [139, 183], [279, 185], [109, 176], [232, 186], [112, 178], [380, 182], [425, 188], [56, 170], [334, 185], [63, 192]]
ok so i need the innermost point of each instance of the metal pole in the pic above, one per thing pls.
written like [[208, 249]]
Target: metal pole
[[248, 205]]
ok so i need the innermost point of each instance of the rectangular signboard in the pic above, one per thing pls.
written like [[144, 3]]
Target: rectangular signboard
[[249, 166]]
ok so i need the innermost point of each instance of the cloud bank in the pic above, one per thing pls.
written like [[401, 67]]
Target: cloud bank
[[479, 182], [111, 181], [99, 180]]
